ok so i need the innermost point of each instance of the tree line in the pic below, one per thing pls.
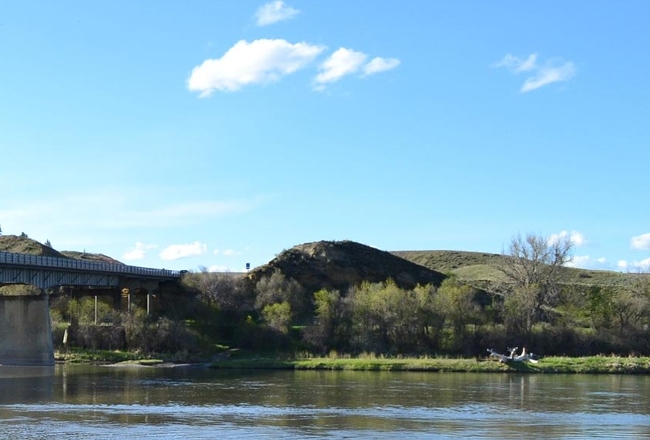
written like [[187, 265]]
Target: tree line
[[532, 305]]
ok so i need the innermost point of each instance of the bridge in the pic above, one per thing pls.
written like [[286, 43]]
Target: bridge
[[50, 272], [25, 330]]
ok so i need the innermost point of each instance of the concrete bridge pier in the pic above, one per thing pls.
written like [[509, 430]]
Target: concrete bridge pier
[[25, 331]]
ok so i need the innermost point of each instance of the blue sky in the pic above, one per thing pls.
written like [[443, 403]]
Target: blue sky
[[216, 133]]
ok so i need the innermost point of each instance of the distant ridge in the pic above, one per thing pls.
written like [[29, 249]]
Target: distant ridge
[[21, 244]]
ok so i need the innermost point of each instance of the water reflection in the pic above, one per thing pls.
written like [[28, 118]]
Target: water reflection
[[26, 384], [91, 402]]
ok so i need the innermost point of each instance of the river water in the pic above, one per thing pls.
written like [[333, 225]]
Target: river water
[[91, 402]]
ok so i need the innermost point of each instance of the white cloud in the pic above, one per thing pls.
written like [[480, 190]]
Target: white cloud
[[576, 238], [217, 268], [517, 64], [549, 75], [586, 262], [274, 12], [342, 62], [643, 265], [176, 251], [379, 64], [540, 75], [347, 62], [139, 252], [258, 62], [640, 242]]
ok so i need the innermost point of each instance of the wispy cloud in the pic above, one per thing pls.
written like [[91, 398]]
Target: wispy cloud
[[551, 71], [340, 63], [139, 251], [346, 61], [517, 64], [379, 64], [176, 251], [640, 242], [218, 268], [643, 265], [576, 238], [587, 262], [74, 224], [227, 252], [258, 62], [274, 12]]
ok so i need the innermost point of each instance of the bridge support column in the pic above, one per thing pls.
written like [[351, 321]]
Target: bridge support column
[[25, 331]]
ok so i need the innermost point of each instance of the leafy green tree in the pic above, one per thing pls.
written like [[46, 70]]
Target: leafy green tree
[[324, 333], [278, 316], [455, 303], [386, 317]]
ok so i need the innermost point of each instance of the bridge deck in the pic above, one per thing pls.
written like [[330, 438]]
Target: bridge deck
[[67, 264], [46, 272]]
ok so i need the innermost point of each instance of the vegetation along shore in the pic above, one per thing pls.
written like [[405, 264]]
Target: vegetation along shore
[[375, 310]]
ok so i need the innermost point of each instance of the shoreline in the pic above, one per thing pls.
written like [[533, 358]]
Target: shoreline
[[600, 364], [550, 365]]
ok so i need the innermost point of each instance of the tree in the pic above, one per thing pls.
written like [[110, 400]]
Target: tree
[[454, 301], [277, 288], [329, 312], [533, 270], [223, 291], [278, 316]]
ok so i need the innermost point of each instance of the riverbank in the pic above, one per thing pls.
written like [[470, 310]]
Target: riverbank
[[567, 365], [548, 365]]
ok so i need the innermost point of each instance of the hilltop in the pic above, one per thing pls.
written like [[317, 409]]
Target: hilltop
[[342, 264], [22, 244], [25, 245]]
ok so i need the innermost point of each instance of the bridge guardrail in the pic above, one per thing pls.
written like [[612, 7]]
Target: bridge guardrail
[[17, 259]]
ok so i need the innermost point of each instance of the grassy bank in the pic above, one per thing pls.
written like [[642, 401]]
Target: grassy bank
[[548, 365], [584, 365], [87, 356]]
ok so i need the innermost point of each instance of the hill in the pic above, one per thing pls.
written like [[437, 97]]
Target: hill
[[90, 257], [25, 245], [480, 269], [22, 244], [342, 264]]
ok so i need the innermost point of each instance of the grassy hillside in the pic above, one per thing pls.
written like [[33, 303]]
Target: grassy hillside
[[22, 244], [25, 245], [479, 268]]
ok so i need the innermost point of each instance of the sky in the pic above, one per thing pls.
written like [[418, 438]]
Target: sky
[[212, 134]]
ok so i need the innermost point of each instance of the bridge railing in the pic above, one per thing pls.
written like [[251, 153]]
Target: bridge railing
[[16, 259]]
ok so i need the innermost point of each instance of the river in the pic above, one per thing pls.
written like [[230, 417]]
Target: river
[[103, 402]]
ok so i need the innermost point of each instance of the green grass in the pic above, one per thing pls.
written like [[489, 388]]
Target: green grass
[[79, 355], [551, 365]]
